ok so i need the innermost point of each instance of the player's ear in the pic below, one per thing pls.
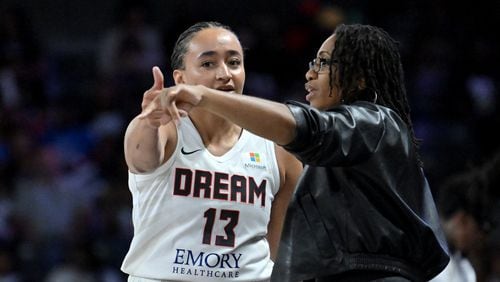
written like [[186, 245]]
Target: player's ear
[[178, 76]]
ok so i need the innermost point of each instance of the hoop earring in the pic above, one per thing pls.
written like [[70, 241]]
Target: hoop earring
[[376, 96]]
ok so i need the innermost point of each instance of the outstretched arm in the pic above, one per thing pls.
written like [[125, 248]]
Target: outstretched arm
[[265, 118]]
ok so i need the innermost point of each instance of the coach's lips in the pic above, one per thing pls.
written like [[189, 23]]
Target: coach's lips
[[309, 90], [308, 87]]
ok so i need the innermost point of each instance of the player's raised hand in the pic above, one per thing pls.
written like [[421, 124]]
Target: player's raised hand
[[152, 109], [155, 90]]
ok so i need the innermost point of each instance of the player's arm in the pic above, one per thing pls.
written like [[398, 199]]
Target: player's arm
[[290, 169], [150, 138]]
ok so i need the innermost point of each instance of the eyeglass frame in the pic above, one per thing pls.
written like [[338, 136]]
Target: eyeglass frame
[[320, 67]]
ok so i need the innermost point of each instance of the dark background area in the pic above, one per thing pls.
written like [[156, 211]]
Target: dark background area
[[72, 75]]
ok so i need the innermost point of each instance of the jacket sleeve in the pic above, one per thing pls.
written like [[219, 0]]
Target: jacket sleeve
[[344, 135]]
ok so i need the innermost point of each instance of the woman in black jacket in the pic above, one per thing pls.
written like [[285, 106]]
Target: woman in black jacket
[[363, 210]]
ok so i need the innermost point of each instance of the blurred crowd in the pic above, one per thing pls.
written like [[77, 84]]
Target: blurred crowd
[[65, 209]]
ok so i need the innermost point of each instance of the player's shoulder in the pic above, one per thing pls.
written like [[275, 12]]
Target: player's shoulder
[[285, 158]]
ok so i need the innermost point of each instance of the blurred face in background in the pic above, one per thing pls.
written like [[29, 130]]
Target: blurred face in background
[[464, 232]]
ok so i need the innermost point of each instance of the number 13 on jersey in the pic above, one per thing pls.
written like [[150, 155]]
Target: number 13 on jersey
[[228, 238]]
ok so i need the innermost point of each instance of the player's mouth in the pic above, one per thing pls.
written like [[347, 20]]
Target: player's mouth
[[226, 88]]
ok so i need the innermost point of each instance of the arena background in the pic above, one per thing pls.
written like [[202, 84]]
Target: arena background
[[72, 74]]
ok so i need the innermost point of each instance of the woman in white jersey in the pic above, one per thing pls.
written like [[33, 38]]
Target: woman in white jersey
[[209, 198]]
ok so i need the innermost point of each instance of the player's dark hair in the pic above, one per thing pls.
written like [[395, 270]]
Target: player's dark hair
[[367, 53], [181, 45]]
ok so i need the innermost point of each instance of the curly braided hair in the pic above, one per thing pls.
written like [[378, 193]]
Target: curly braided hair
[[368, 55]]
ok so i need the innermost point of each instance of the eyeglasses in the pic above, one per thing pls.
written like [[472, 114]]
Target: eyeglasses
[[319, 65]]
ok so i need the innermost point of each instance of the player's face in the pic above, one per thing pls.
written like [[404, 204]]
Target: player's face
[[214, 59], [320, 94]]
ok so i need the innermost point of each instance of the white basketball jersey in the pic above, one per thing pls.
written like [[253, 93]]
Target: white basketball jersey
[[200, 217]]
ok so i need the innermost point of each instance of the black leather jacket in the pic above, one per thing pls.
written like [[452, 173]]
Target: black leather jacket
[[363, 202]]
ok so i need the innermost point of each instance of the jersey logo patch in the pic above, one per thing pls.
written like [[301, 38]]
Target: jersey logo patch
[[254, 160], [254, 157], [188, 152]]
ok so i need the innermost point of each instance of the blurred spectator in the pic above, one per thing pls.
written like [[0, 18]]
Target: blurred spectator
[[469, 208], [133, 45], [78, 267], [126, 54], [8, 273], [22, 65]]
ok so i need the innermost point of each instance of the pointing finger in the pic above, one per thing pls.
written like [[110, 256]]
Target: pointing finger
[[158, 78]]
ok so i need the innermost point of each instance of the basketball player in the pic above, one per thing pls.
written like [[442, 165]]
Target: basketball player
[[209, 198]]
